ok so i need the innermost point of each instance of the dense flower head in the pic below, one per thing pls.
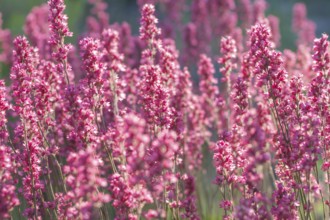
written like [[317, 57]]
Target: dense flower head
[[252, 208], [319, 94], [58, 30], [110, 41], [169, 63], [240, 96], [127, 198], [32, 185], [4, 106], [80, 124], [318, 90], [181, 100], [149, 30], [260, 40], [189, 204], [8, 197], [58, 20], [285, 203], [91, 56], [83, 179], [24, 53], [208, 84], [228, 50], [269, 62], [245, 210], [321, 54], [123, 196], [155, 96], [162, 152], [136, 141], [23, 73], [224, 162]]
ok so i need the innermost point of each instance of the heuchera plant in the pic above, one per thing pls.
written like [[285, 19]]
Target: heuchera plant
[[114, 127]]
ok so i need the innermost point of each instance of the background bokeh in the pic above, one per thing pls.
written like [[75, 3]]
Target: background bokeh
[[15, 11]]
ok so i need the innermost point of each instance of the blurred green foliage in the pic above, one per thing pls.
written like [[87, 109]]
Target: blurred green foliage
[[15, 11], [317, 11]]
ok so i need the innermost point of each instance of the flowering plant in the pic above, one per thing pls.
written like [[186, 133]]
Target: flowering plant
[[115, 128]]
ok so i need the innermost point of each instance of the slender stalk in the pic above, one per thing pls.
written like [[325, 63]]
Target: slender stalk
[[113, 87], [65, 64], [321, 193], [31, 173]]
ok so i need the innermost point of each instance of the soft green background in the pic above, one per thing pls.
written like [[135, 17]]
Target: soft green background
[[15, 11]]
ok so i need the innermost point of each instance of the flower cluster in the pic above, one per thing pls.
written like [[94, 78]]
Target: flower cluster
[[118, 127]]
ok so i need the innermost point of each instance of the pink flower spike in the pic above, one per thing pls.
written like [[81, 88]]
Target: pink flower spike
[[149, 30]]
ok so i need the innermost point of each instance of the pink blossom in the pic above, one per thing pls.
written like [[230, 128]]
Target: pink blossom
[[84, 179], [208, 87], [285, 203], [149, 30]]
